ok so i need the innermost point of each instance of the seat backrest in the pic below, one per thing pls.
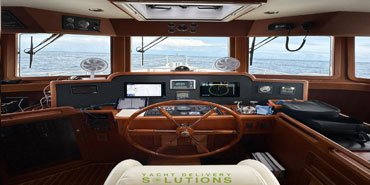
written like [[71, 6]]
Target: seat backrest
[[131, 172]]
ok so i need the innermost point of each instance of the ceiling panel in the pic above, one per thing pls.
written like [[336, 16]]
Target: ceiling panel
[[285, 7]]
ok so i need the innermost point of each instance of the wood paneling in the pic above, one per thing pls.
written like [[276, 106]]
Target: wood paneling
[[44, 21], [335, 24], [8, 56], [300, 150], [352, 103]]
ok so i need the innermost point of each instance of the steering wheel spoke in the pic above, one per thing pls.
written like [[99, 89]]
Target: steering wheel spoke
[[166, 145], [204, 116], [168, 115], [198, 144]]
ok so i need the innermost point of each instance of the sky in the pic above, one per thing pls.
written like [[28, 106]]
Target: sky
[[318, 47]]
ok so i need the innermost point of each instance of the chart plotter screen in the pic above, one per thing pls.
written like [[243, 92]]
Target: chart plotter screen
[[144, 90]]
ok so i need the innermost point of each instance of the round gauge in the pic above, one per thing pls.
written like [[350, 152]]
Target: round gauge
[[83, 24], [265, 89], [218, 90]]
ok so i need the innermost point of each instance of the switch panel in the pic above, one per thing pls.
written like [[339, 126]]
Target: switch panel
[[80, 23]]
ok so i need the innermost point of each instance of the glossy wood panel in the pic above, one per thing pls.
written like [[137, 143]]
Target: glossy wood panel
[[8, 56], [300, 149]]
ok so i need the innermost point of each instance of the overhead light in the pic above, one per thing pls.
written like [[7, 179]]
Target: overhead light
[[186, 11], [271, 12], [96, 10]]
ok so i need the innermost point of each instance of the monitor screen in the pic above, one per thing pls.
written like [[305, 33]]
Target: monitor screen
[[144, 90], [131, 103]]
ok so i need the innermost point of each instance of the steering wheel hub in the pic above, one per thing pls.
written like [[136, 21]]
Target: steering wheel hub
[[184, 131]]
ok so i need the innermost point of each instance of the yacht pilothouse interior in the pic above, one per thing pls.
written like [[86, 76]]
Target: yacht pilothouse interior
[[126, 92]]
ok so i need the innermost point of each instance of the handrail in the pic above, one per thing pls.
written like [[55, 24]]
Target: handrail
[[37, 115], [354, 165]]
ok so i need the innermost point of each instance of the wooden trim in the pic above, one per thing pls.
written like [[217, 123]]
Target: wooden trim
[[127, 59], [37, 115], [121, 54], [241, 53], [26, 87], [9, 55], [118, 51], [232, 47], [351, 62]]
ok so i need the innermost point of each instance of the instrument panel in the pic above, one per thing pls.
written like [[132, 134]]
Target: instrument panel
[[218, 88], [182, 84]]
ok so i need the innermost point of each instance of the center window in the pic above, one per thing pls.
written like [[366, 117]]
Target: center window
[[161, 54]]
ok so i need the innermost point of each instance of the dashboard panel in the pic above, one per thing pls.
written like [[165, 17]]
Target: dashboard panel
[[221, 88]]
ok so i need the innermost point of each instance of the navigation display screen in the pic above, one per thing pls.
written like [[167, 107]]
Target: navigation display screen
[[219, 89], [144, 90]]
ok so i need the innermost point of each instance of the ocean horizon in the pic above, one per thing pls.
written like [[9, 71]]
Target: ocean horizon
[[68, 64]]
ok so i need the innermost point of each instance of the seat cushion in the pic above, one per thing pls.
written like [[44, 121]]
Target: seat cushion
[[131, 172]]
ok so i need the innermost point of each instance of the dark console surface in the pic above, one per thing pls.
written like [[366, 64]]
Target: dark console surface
[[182, 110], [221, 88]]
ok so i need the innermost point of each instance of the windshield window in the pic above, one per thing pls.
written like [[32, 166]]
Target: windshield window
[[362, 57], [166, 53], [61, 57], [271, 57]]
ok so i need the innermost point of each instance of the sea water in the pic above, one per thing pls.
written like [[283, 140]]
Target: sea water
[[56, 63]]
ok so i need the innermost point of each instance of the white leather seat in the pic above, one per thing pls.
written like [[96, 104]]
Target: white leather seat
[[131, 172]]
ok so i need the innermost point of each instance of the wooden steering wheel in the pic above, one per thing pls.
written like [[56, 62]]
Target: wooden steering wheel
[[184, 127]]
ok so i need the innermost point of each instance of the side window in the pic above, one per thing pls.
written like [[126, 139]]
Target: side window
[[270, 56], [362, 57], [60, 55], [156, 54]]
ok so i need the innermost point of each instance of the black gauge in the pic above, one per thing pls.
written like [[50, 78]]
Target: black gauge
[[265, 89], [218, 90]]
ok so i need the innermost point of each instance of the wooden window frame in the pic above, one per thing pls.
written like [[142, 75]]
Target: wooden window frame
[[10, 58], [351, 58]]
